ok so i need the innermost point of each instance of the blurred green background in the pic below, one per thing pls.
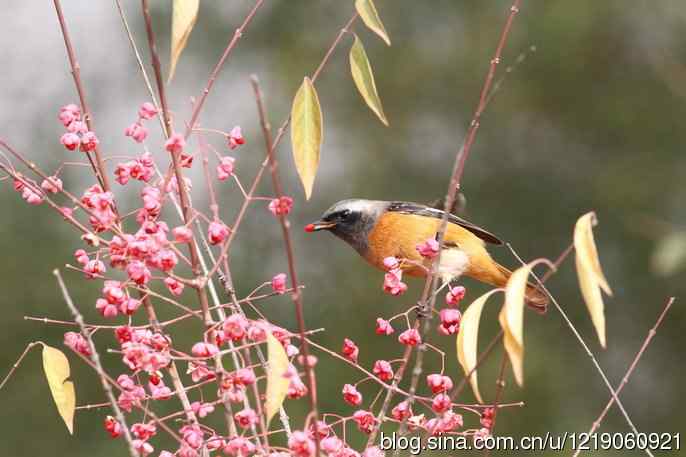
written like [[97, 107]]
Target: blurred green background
[[592, 120]]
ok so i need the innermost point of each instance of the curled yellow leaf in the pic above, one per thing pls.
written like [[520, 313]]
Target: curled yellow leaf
[[370, 17], [306, 134], [591, 277], [511, 316], [184, 15], [364, 79], [56, 367], [277, 382], [468, 338]]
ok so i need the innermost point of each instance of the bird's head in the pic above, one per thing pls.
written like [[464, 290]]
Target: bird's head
[[350, 220]]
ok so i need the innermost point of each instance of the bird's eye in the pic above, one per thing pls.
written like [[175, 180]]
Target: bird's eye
[[345, 213]]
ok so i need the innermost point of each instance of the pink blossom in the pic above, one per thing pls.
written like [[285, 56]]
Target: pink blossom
[[351, 395], [143, 447], [245, 376], [89, 142], [52, 184], [365, 420], [350, 350], [393, 284], [281, 206], [235, 327], [239, 446], [246, 418], [137, 132], [235, 138], [144, 431], [279, 283], [192, 435], [160, 392], [112, 427], [428, 249], [94, 268], [199, 371], [439, 383], [68, 114], [410, 337], [450, 321], [138, 272], [175, 143], [182, 234], [129, 306], [455, 295], [481, 434], [320, 429], [383, 327], [296, 388], [70, 140], [67, 213], [79, 127], [106, 308], [147, 111], [217, 232], [77, 343], [126, 382], [487, 417], [203, 349], [401, 411], [441, 403], [450, 421], [331, 445], [225, 168], [383, 370], [81, 256], [202, 409], [300, 444], [31, 197], [175, 287]]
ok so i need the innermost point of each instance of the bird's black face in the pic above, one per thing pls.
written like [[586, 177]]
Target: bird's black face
[[350, 220]]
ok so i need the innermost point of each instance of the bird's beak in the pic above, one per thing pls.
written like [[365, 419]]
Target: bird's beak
[[319, 225]]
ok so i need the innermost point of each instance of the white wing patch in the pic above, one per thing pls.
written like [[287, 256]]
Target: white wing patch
[[454, 262]]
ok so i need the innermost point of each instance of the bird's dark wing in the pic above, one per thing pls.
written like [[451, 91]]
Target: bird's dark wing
[[423, 210]]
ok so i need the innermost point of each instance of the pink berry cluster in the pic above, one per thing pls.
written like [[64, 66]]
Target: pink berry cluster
[[77, 135]]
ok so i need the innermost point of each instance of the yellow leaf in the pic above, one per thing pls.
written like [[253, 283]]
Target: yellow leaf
[[306, 134], [511, 320], [277, 383], [364, 79], [467, 340], [591, 277], [185, 12], [56, 367], [370, 17]]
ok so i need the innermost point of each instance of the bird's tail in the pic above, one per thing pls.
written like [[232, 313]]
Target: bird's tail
[[535, 297]]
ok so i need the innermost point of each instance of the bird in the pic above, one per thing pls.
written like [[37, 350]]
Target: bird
[[379, 229]]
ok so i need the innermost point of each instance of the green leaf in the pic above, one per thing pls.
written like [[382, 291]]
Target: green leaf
[[277, 382], [56, 367], [364, 79], [184, 15], [306, 134], [371, 19]]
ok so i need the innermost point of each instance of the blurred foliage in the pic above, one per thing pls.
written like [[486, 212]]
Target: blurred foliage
[[591, 120]]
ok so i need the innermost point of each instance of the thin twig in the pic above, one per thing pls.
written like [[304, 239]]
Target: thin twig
[[627, 375], [583, 344], [95, 358]]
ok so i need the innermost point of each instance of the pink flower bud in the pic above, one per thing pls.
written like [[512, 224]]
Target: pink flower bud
[[235, 138], [428, 249], [439, 383], [410, 337], [175, 143], [454, 295], [350, 350], [147, 111], [441, 403], [383, 327], [383, 370], [182, 234], [450, 321], [365, 421], [281, 206], [52, 184], [279, 283], [89, 142], [217, 232], [70, 141], [351, 395], [225, 168]]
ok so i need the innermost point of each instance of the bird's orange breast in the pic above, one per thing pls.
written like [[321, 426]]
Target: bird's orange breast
[[398, 234]]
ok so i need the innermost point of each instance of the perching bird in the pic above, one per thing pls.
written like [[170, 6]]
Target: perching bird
[[380, 229]]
